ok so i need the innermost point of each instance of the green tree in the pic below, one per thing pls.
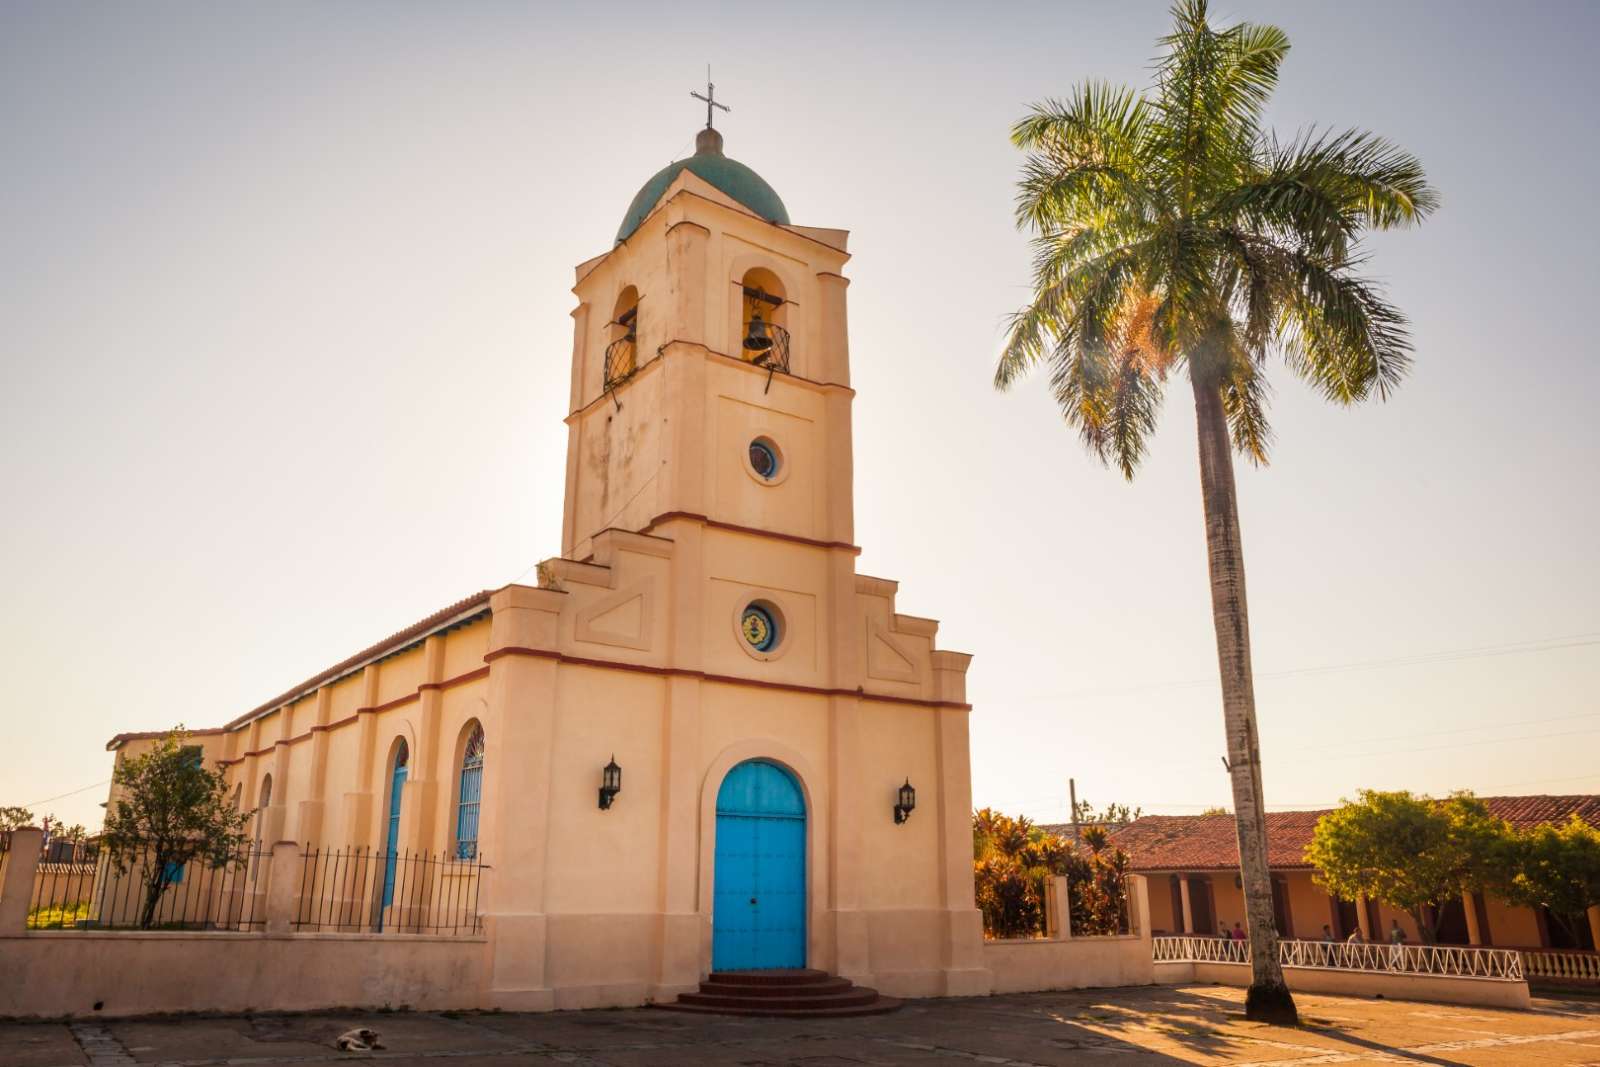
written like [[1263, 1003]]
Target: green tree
[[14, 818], [1012, 863], [170, 811], [1556, 868], [1173, 231], [1413, 853]]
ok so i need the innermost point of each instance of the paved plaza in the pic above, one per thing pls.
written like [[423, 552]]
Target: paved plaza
[[1150, 1025]]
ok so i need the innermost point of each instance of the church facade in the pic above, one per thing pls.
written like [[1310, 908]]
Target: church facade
[[787, 754]]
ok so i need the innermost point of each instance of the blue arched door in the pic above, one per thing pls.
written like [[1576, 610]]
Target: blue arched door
[[397, 784], [758, 916]]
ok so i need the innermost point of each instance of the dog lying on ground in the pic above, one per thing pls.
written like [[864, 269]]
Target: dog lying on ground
[[358, 1040]]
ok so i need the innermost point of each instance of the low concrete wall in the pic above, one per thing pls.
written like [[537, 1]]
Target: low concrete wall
[[1481, 992], [50, 974], [1069, 963]]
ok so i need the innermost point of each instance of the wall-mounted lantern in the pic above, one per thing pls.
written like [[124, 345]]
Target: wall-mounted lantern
[[907, 802], [610, 783]]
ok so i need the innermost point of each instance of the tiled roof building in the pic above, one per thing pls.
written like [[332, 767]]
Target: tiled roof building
[[1192, 862]]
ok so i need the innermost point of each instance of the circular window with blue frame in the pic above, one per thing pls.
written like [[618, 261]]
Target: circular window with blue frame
[[759, 627], [764, 459]]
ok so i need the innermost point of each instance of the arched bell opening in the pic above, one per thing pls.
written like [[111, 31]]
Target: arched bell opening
[[622, 338], [764, 321]]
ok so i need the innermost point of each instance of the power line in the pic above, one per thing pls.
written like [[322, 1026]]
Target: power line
[[1455, 730], [1458, 744], [63, 796], [1512, 648]]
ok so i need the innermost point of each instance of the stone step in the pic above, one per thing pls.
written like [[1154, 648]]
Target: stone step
[[799, 993], [880, 1006], [850, 997], [816, 987], [785, 976]]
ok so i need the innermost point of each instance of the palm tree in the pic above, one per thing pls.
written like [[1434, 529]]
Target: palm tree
[[1172, 231]]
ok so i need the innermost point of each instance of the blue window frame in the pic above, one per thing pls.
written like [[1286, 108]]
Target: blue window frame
[[764, 458], [469, 796], [397, 784]]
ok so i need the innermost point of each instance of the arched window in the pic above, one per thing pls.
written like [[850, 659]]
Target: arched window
[[470, 795], [262, 800], [764, 321], [622, 335]]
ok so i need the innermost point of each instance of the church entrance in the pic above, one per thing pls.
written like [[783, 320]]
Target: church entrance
[[758, 917]]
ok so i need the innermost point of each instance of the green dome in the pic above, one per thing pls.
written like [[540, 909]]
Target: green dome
[[710, 165]]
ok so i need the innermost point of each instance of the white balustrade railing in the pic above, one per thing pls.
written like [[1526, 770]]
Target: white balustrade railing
[[1200, 950], [1576, 966], [1444, 961]]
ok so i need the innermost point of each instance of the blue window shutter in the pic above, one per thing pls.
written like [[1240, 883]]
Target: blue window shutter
[[470, 796]]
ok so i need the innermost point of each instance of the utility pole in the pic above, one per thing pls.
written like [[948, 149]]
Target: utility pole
[[1072, 794]]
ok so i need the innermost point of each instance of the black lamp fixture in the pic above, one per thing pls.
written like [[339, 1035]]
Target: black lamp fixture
[[610, 783], [907, 802]]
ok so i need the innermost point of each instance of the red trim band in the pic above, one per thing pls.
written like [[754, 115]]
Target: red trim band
[[724, 679]]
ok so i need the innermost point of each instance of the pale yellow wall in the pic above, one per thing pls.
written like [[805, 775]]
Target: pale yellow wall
[[903, 870], [1511, 927], [1228, 898], [603, 861], [1162, 917], [1311, 908]]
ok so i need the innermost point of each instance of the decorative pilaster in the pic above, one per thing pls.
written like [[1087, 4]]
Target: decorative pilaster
[[515, 830], [677, 964], [313, 808], [964, 974]]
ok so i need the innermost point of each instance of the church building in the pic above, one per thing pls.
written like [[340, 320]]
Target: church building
[[703, 741]]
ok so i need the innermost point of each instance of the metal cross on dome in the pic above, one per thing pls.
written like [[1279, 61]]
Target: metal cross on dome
[[710, 98]]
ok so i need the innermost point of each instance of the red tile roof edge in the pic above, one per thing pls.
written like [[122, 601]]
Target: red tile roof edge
[[147, 735], [1210, 842]]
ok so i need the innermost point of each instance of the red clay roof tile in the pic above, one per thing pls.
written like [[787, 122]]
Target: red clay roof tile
[[1209, 842]]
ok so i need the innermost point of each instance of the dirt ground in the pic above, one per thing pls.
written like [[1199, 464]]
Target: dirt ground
[[1148, 1025]]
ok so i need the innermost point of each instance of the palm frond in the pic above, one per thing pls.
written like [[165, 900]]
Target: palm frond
[[1084, 157], [1244, 402], [1325, 190], [1340, 334]]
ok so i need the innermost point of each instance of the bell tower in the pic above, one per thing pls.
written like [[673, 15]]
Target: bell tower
[[710, 366]]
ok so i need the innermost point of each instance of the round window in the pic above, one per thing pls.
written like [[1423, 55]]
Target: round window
[[759, 626], [764, 458]]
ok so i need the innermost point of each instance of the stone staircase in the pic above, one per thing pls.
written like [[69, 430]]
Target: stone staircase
[[804, 994]]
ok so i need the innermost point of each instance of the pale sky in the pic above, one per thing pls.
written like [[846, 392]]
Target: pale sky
[[284, 343]]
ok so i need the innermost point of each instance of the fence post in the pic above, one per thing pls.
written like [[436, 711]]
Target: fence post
[[283, 878], [16, 895], [1060, 910], [1138, 905]]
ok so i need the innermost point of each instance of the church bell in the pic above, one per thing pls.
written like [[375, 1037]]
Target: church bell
[[757, 339]]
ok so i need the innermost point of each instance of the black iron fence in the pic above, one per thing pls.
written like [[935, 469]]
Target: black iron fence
[[352, 890], [140, 891], [363, 890]]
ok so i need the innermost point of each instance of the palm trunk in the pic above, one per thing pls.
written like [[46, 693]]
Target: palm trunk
[[1268, 999]]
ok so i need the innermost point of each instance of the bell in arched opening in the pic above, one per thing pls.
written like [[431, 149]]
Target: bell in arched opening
[[757, 340]]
